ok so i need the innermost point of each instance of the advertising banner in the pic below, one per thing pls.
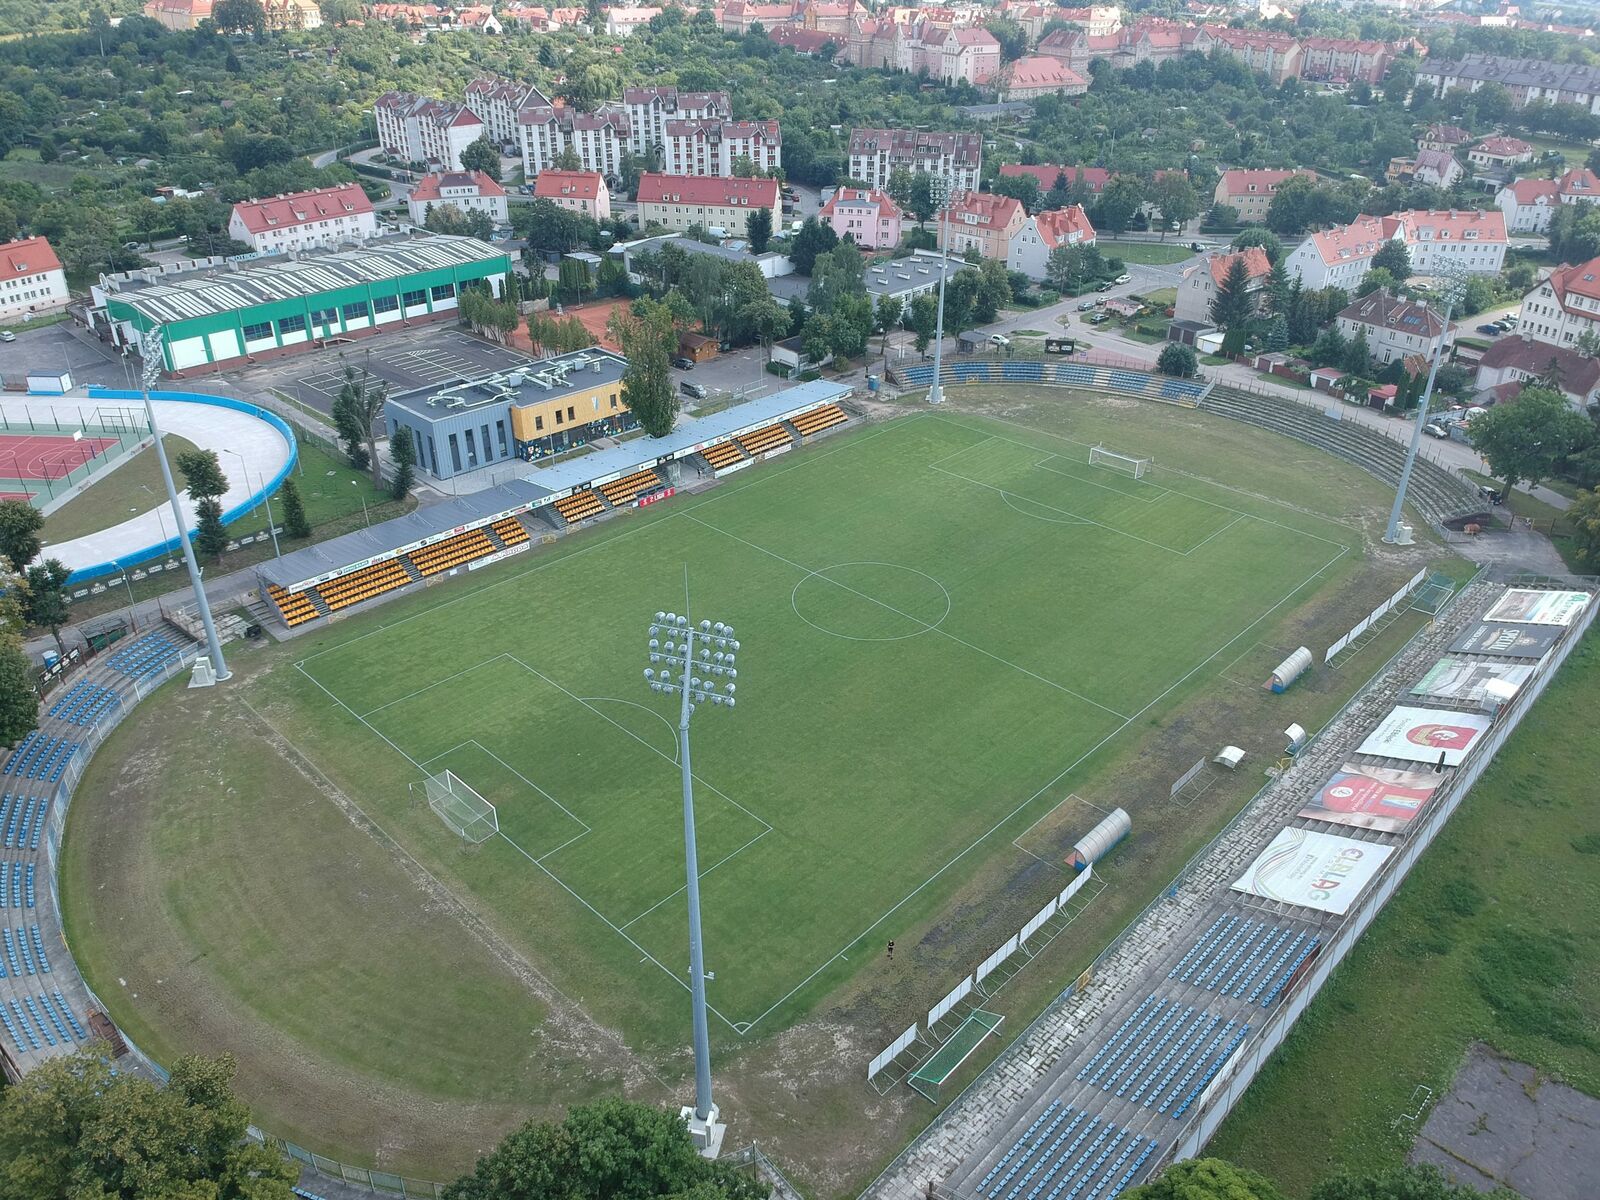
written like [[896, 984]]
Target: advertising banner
[[1463, 678], [1534, 607], [1424, 734], [1314, 870], [1510, 641], [1372, 797]]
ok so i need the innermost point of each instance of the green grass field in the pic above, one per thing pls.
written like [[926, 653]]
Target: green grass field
[[1149, 254], [958, 638], [134, 487], [866, 634]]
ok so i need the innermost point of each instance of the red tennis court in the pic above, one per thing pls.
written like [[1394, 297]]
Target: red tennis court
[[38, 456]]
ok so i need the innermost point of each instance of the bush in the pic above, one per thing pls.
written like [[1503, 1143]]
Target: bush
[[781, 370], [1177, 360]]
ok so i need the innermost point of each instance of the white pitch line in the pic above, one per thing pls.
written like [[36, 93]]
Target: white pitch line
[[728, 857], [430, 686]]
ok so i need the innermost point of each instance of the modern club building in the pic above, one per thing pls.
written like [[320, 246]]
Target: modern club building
[[228, 313], [529, 413]]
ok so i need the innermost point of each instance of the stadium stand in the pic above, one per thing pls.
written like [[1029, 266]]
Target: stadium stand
[[620, 493], [1066, 1154], [722, 455], [145, 656], [1245, 958], [818, 419], [296, 608], [452, 552], [579, 507], [510, 531], [39, 756], [762, 440], [83, 703], [364, 584], [1089, 376]]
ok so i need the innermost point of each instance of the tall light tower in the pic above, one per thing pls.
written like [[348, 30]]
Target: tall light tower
[[149, 373], [943, 189], [1452, 284], [678, 650]]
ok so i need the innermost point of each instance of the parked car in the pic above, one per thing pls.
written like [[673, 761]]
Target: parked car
[[1098, 318], [1106, 286], [1436, 429], [1124, 278], [683, 363], [7, 336], [1197, 247], [999, 340], [1491, 330], [697, 390], [1085, 305]]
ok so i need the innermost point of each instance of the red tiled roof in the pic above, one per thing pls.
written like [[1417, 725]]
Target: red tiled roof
[[1579, 373], [707, 189], [1056, 226], [887, 208], [1237, 183], [1359, 239], [1452, 225], [431, 187], [1581, 280], [1040, 70], [568, 185], [1256, 264], [29, 256], [1094, 178], [1528, 191], [1580, 181], [1504, 147], [301, 208], [990, 211]]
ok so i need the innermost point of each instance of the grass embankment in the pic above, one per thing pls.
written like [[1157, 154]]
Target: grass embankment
[[132, 488], [1492, 938]]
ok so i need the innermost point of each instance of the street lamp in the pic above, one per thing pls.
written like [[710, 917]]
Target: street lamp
[[678, 649], [943, 189], [150, 371], [1453, 286], [244, 469], [365, 515]]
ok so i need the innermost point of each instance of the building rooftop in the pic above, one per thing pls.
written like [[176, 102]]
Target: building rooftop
[[731, 192], [302, 208], [29, 256], [431, 187], [531, 384], [186, 295]]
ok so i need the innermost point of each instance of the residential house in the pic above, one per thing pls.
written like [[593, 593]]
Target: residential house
[[1529, 80], [714, 147], [650, 108], [1448, 138], [1520, 360], [711, 202], [31, 279], [291, 16], [1201, 282], [955, 56], [1564, 307], [1453, 239], [810, 42], [468, 191], [301, 220], [178, 14], [1345, 60], [981, 221], [1338, 257], [419, 129], [598, 139], [622, 22], [870, 217], [1527, 204], [497, 103], [1395, 327], [1275, 55], [1037, 75], [581, 191], [738, 16], [1500, 154], [1251, 191], [1042, 233], [825, 16], [876, 153], [1435, 168]]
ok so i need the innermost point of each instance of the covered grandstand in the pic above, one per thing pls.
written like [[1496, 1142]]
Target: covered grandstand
[[472, 531]]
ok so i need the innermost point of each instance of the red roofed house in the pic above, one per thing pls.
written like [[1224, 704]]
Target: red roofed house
[[1520, 360], [869, 216], [1435, 168], [981, 221], [178, 14], [1042, 233], [1528, 203], [300, 220], [1499, 153], [1344, 60], [469, 191], [1039, 75], [1443, 137], [1565, 306], [1395, 327], [1094, 179], [953, 56], [709, 201], [1251, 191], [31, 279], [1202, 281], [1463, 239], [580, 191]]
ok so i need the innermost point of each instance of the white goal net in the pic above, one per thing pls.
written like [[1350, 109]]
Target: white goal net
[[1099, 456], [458, 806]]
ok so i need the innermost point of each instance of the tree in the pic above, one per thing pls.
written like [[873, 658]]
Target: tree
[[1176, 198], [1022, 188], [355, 410], [1177, 360], [20, 525], [1064, 269], [1583, 513], [202, 474], [758, 229], [210, 535], [1374, 280], [1119, 200], [1394, 258], [19, 703], [648, 337], [448, 218], [839, 273], [915, 193], [1290, 209], [610, 1150], [1269, 242], [921, 319], [482, 155], [403, 454], [1205, 1179], [1275, 295], [1358, 354], [1524, 439], [1013, 38], [994, 291], [239, 16], [295, 522], [75, 1127], [886, 317], [47, 604], [813, 239], [1234, 303], [765, 320]]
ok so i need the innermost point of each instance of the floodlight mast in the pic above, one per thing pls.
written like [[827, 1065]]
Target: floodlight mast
[[944, 192], [673, 648], [150, 371], [1454, 283]]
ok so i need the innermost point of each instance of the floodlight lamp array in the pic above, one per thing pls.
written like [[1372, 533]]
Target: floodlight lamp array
[[679, 649]]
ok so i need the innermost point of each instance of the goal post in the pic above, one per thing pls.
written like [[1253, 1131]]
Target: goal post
[[468, 814], [1128, 464]]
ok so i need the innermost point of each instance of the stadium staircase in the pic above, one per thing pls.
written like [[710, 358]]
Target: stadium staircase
[[1186, 393], [1439, 495]]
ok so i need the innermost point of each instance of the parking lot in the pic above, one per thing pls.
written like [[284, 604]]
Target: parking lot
[[405, 361]]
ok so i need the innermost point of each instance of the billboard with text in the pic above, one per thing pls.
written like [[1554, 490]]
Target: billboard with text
[[1462, 679], [1509, 641], [1532, 606], [1314, 870], [1430, 735], [1372, 797]]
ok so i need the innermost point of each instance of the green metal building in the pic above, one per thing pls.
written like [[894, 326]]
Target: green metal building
[[253, 309]]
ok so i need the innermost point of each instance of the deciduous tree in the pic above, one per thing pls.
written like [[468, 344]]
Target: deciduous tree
[[482, 155], [355, 411], [758, 229], [47, 604], [19, 703], [648, 337], [20, 526], [1178, 360], [1524, 439]]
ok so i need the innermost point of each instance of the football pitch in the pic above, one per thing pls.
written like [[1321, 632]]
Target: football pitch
[[941, 618]]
